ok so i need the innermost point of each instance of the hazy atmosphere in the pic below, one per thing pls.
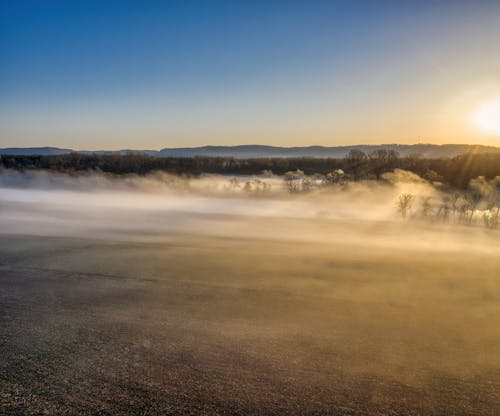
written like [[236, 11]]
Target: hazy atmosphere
[[246, 295], [250, 208]]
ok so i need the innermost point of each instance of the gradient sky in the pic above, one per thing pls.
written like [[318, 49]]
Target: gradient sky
[[153, 74]]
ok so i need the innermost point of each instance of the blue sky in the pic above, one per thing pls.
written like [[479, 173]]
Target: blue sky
[[153, 74]]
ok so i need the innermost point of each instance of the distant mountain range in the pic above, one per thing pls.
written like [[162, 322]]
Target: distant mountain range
[[33, 151], [261, 151]]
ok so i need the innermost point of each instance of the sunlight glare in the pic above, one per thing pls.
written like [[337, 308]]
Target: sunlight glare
[[487, 117]]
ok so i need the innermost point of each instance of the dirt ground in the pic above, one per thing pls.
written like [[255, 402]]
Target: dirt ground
[[219, 325]]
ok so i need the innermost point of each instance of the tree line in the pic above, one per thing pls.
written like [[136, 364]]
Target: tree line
[[357, 165]]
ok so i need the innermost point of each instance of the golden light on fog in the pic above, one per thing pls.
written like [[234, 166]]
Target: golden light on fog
[[487, 117]]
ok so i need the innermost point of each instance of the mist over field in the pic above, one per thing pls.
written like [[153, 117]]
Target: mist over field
[[152, 207], [249, 208], [162, 294]]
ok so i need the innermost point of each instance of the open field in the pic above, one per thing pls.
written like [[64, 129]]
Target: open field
[[249, 208], [102, 312]]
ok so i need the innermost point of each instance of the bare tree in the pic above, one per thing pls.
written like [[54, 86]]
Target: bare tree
[[383, 160], [294, 181], [356, 161], [405, 202], [469, 208], [426, 206], [444, 209], [491, 217]]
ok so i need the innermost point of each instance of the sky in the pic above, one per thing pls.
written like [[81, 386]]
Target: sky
[[154, 74]]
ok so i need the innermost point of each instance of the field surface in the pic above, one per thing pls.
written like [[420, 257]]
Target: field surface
[[213, 324]]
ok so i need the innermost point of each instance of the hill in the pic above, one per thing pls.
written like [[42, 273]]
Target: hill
[[34, 151], [431, 151]]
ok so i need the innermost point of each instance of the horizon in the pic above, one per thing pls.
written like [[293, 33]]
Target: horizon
[[107, 75], [249, 207], [354, 145]]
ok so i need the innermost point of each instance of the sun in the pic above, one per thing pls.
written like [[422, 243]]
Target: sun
[[487, 117]]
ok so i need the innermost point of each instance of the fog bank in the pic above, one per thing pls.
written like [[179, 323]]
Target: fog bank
[[153, 207]]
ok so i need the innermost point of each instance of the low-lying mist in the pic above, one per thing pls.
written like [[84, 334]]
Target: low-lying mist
[[295, 293], [400, 209]]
